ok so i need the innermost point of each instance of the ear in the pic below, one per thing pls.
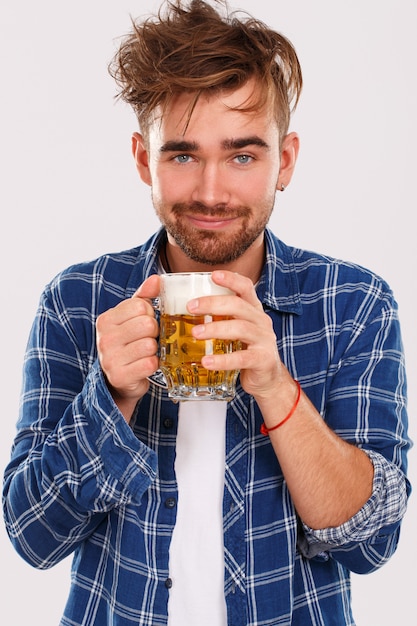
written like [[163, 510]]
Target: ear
[[141, 156], [289, 154]]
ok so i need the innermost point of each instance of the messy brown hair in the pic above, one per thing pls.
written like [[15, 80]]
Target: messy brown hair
[[189, 46]]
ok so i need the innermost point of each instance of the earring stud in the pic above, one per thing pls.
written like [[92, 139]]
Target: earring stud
[[282, 187]]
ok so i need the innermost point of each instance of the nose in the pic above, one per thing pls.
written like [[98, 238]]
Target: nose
[[211, 185]]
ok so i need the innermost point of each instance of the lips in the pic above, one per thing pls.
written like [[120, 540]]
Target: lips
[[210, 222], [213, 218]]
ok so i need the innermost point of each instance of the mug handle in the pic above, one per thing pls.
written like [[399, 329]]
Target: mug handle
[[157, 378]]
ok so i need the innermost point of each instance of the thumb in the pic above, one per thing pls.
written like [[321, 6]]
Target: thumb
[[149, 288]]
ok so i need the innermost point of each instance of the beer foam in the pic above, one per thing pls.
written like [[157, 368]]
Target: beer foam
[[178, 289]]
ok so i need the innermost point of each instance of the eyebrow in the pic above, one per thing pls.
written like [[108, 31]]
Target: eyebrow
[[179, 146], [228, 144], [242, 142]]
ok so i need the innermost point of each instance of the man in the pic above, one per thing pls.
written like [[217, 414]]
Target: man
[[250, 512]]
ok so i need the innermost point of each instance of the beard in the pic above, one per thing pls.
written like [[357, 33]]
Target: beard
[[213, 247]]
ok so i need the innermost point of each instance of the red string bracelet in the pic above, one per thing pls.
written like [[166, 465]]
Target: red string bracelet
[[266, 431]]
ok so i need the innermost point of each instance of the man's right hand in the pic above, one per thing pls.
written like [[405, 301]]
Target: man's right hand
[[127, 346]]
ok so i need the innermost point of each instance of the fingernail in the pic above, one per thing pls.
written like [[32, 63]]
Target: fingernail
[[199, 330], [192, 305]]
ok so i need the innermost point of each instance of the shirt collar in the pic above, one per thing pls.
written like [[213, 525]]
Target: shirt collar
[[277, 288]]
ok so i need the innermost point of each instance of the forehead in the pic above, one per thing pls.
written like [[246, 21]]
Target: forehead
[[189, 113]]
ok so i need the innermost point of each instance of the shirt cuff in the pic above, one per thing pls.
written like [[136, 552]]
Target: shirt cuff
[[122, 456], [387, 505]]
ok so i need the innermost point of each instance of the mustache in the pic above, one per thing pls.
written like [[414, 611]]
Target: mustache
[[218, 210]]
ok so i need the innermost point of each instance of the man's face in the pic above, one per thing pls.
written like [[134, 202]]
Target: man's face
[[214, 180]]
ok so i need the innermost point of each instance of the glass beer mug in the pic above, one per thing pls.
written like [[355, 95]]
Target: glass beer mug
[[180, 353]]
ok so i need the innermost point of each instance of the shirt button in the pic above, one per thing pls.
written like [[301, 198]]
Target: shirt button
[[170, 503], [168, 422], [168, 583]]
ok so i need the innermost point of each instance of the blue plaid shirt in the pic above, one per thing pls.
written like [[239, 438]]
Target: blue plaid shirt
[[82, 481]]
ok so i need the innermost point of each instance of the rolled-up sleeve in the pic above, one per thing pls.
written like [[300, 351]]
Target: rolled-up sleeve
[[380, 516]]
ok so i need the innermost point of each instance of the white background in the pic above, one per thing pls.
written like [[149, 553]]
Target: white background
[[69, 192]]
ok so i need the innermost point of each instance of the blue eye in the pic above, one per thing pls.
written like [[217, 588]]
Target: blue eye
[[182, 158], [244, 158]]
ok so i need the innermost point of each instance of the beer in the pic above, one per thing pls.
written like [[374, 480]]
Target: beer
[[181, 354]]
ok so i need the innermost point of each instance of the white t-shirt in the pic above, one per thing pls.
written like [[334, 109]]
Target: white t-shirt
[[196, 559]]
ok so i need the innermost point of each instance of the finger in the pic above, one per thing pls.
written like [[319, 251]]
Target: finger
[[239, 360], [126, 364], [241, 285], [128, 378], [149, 288], [136, 352], [229, 307], [129, 309], [138, 328], [234, 330]]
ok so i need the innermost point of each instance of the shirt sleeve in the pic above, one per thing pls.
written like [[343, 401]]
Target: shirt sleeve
[[366, 406], [74, 457], [379, 518]]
